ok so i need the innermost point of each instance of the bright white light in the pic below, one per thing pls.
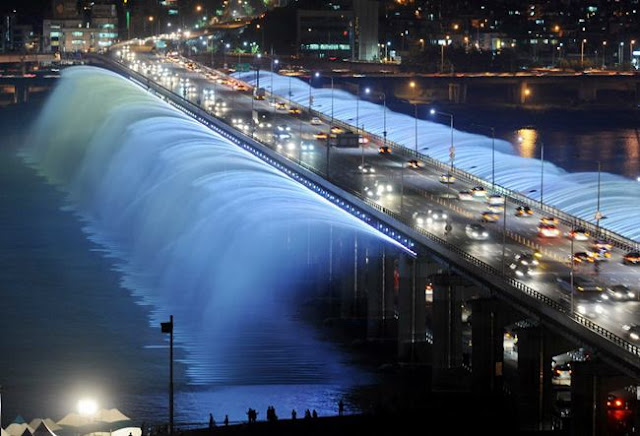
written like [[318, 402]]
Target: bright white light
[[87, 407]]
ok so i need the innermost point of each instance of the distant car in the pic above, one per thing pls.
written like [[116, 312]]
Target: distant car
[[447, 178], [523, 211], [520, 269], [336, 129], [584, 287], [602, 245], [316, 121], [320, 135], [366, 169], [590, 309], [378, 189], [631, 258], [549, 220], [437, 215], [616, 403], [283, 128], [600, 255], [384, 149], [495, 200], [561, 374], [633, 331], [528, 259], [479, 191], [421, 218], [414, 164], [281, 106], [582, 257], [476, 231], [490, 216], [307, 146], [620, 293], [465, 195], [578, 234], [548, 231]]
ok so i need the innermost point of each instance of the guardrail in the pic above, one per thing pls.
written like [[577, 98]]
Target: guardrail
[[472, 264]]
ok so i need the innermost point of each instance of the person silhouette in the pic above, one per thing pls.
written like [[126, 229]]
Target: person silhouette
[[340, 408], [314, 414], [307, 414], [212, 422], [294, 414], [226, 419]]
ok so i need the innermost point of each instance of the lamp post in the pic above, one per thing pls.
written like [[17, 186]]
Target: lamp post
[[582, 53], [633, 41], [604, 49], [273, 61], [412, 84], [316, 74], [362, 147], [167, 327], [598, 214], [452, 150], [571, 276], [384, 119], [331, 101], [541, 173], [224, 54]]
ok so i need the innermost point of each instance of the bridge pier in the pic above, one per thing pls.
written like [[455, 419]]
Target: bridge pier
[[487, 352], [536, 348], [591, 382]]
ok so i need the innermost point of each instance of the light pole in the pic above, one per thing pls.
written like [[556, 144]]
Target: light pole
[[571, 276], [384, 120], [633, 41], [598, 214], [167, 327], [412, 84], [452, 150], [331, 101], [493, 154], [273, 61], [362, 147], [541, 173], [316, 74], [604, 49], [582, 53]]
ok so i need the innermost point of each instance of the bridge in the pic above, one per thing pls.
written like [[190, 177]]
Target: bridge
[[451, 276]]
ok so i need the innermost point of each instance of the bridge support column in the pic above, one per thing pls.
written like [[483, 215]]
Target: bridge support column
[[374, 290], [447, 330], [487, 353], [536, 348], [591, 382], [414, 276]]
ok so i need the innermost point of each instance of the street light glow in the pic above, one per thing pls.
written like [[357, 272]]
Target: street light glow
[[87, 407]]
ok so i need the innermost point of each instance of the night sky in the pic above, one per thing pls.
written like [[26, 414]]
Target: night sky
[[26, 8]]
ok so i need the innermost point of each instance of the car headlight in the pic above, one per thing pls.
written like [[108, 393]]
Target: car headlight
[[581, 309], [634, 336]]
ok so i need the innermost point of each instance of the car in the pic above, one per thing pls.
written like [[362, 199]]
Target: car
[[631, 258], [282, 134], [476, 231], [336, 129], [602, 245], [549, 220], [378, 189], [294, 111], [306, 146], [582, 257], [529, 259], [384, 149], [561, 374], [495, 200], [421, 218], [281, 106], [437, 214], [479, 191], [583, 287], [616, 403], [287, 146], [366, 169], [520, 269], [316, 121], [413, 163], [447, 178], [523, 211], [620, 293], [490, 216], [633, 331], [600, 255], [465, 195], [548, 231], [590, 309], [579, 234], [320, 135]]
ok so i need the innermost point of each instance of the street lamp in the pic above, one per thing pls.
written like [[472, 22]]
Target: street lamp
[[452, 150], [604, 48], [493, 154], [311, 76], [412, 84], [541, 173], [598, 214], [582, 52], [633, 41], [273, 61]]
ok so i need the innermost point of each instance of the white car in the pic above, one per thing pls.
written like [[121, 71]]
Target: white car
[[495, 200], [465, 195], [447, 178], [477, 232], [366, 169], [306, 146], [430, 217], [316, 121]]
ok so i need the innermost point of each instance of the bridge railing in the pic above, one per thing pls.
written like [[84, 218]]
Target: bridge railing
[[244, 140]]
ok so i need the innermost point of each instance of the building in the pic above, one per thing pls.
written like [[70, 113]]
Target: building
[[94, 27]]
